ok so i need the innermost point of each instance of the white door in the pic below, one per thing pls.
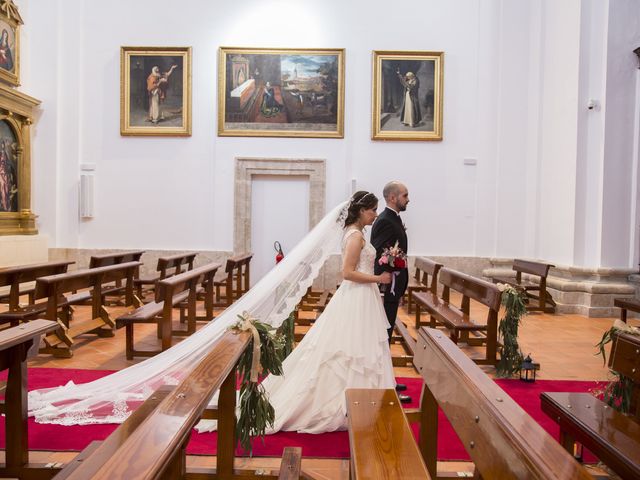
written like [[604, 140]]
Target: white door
[[279, 211]]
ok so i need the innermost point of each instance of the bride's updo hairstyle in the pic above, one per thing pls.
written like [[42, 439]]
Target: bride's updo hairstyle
[[359, 200]]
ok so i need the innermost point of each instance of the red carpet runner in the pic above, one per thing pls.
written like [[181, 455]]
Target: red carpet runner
[[328, 445]]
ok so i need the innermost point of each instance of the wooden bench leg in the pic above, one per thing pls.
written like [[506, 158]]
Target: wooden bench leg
[[226, 427], [428, 442], [129, 341], [166, 329], [17, 450], [568, 442], [623, 315], [492, 340], [417, 316], [454, 336]]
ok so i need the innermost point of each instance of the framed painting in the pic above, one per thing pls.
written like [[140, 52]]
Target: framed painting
[[265, 92], [155, 91], [407, 95], [10, 22], [16, 118]]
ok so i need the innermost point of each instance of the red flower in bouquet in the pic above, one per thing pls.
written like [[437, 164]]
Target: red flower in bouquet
[[393, 258], [400, 263]]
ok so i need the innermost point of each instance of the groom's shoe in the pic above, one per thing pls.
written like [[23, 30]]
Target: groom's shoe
[[404, 398], [400, 387]]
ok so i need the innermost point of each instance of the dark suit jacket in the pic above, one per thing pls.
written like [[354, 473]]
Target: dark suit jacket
[[387, 229]]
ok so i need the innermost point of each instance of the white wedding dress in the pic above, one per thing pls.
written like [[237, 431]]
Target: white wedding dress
[[347, 347]]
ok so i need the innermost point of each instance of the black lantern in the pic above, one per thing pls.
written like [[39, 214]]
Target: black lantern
[[528, 370]]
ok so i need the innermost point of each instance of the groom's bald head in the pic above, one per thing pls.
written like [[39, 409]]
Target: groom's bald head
[[396, 195]]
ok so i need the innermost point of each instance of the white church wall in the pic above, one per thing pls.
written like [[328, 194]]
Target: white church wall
[[619, 227], [557, 150], [592, 86], [510, 103]]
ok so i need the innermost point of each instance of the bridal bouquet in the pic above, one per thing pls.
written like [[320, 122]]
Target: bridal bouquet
[[393, 259]]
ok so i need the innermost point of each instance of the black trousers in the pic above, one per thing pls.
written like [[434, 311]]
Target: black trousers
[[392, 301], [391, 309]]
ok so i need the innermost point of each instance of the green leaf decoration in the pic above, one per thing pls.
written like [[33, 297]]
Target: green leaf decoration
[[287, 330], [618, 392], [256, 413], [515, 308]]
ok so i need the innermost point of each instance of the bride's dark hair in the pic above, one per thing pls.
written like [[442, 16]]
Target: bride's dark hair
[[359, 200]]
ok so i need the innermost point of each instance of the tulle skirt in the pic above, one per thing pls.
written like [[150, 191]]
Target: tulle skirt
[[347, 347]]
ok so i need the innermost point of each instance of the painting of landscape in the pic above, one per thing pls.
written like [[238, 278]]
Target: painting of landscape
[[293, 93]]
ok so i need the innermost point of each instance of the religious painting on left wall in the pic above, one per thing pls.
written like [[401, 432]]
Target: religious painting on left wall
[[10, 22], [8, 169], [281, 92], [155, 91]]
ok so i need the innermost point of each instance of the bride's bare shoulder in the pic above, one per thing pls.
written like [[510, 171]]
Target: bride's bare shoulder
[[353, 235]]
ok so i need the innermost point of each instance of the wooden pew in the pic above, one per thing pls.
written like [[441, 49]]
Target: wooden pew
[[502, 440], [54, 288], [106, 259], [103, 450], [17, 277], [236, 282], [408, 344], [380, 438], [169, 293], [167, 266], [424, 268], [612, 436], [458, 319], [156, 448], [534, 290], [426, 299], [16, 345], [624, 304]]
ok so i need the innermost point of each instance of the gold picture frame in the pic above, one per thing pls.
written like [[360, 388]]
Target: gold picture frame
[[407, 95], [281, 92], [155, 91], [16, 118], [10, 22]]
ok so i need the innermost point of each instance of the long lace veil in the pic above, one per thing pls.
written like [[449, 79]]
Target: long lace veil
[[111, 398]]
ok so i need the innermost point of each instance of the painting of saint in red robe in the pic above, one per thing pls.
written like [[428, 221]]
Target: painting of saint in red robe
[[8, 170]]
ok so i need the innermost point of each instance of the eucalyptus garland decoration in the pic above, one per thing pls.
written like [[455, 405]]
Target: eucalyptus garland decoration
[[515, 308], [287, 330], [264, 354], [617, 393]]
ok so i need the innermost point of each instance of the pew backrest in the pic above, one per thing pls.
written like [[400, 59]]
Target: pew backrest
[[532, 268], [175, 262], [78, 279], [471, 288], [14, 276], [10, 337], [170, 286], [500, 437], [237, 281], [430, 270], [106, 259]]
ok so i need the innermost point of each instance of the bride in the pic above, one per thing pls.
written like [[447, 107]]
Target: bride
[[348, 345], [346, 348]]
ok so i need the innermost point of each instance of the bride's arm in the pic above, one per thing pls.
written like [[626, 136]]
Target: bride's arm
[[350, 261]]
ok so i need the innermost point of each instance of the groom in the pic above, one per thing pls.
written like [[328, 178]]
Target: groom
[[387, 230]]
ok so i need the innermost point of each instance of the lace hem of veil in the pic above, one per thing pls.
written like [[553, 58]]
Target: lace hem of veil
[[112, 398]]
